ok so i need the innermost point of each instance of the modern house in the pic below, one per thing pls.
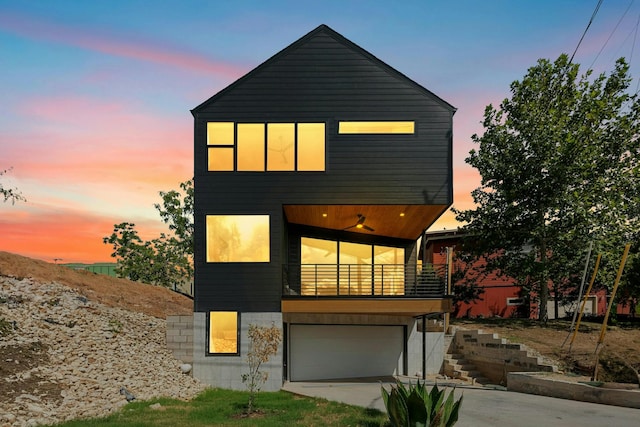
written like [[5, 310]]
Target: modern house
[[316, 174]]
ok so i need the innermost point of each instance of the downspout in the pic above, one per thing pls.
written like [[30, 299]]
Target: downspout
[[424, 346]]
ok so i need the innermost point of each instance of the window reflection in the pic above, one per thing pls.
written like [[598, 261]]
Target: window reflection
[[280, 146], [237, 238]]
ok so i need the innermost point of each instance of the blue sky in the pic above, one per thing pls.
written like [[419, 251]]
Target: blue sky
[[96, 94]]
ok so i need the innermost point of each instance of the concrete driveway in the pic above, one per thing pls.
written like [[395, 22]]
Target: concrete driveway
[[484, 407]]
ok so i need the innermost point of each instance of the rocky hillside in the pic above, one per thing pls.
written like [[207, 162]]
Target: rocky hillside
[[69, 341]]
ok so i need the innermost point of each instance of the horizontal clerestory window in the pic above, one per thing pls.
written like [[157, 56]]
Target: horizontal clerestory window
[[259, 147], [382, 127]]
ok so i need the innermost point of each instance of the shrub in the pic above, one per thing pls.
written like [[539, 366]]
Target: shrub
[[263, 343], [415, 406]]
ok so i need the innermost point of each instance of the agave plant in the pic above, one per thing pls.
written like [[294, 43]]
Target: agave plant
[[416, 406]]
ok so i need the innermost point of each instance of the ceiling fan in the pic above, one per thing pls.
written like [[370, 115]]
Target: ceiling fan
[[360, 224]]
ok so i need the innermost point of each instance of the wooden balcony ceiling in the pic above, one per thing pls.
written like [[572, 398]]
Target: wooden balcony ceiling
[[401, 221]]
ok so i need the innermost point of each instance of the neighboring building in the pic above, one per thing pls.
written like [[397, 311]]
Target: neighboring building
[[315, 175], [501, 295]]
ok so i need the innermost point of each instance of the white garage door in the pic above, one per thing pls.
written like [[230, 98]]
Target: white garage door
[[319, 352]]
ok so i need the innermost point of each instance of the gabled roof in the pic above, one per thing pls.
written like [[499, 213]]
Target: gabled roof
[[325, 30]]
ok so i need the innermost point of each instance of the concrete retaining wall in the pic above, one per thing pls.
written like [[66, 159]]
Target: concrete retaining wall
[[539, 383], [180, 337]]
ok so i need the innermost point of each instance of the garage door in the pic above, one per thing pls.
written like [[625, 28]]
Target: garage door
[[320, 352]]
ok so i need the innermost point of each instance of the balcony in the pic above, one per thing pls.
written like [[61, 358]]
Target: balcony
[[394, 289], [364, 281]]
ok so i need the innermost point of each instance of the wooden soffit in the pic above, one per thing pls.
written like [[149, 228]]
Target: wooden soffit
[[400, 221]]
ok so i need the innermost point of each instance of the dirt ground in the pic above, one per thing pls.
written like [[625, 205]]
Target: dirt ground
[[619, 358], [152, 300]]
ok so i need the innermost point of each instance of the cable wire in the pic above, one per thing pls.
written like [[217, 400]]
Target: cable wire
[[586, 29]]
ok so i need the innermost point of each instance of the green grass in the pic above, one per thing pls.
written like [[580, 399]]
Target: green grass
[[217, 407]]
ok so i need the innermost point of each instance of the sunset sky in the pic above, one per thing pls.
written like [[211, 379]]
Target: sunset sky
[[95, 120]]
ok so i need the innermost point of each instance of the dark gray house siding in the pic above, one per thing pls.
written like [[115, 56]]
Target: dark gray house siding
[[320, 78]]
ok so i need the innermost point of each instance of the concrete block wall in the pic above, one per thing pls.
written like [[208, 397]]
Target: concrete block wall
[[226, 371], [495, 357], [180, 337]]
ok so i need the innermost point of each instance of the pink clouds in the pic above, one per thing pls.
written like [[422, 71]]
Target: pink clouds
[[38, 29], [73, 235], [98, 141]]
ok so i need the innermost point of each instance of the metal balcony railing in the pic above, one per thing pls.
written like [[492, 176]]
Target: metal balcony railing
[[364, 280]]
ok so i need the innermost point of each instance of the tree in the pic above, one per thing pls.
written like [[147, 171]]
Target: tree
[[559, 166], [10, 193], [629, 293], [166, 260], [263, 343]]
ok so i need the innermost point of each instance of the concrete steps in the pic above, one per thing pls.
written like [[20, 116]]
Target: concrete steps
[[456, 366], [486, 358]]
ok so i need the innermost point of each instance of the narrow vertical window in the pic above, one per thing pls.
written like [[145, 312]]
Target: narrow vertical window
[[220, 142], [223, 332], [280, 146], [311, 142], [251, 147]]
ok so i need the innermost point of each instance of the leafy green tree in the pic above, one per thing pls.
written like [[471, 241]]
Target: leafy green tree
[[10, 193], [166, 260], [629, 293], [559, 166]]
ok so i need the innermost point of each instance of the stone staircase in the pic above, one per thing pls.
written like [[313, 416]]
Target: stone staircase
[[456, 366], [483, 358]]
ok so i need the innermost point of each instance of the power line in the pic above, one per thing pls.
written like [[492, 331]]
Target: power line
[[610, 35], [586, 29]]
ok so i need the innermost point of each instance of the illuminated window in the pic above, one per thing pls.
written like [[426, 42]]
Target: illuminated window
[[287, 146], [319, 269], [376, 127], [237, 238], [311, 146], [330, 267], [251, 147], [223, 332], [220, 137], [280, 146]]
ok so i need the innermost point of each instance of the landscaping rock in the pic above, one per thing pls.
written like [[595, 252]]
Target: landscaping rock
[[69, 356]]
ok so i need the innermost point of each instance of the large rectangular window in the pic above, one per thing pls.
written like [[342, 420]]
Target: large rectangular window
[[329, 267], [259, 147], [238, 238], [407, 127], [223, 332]]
